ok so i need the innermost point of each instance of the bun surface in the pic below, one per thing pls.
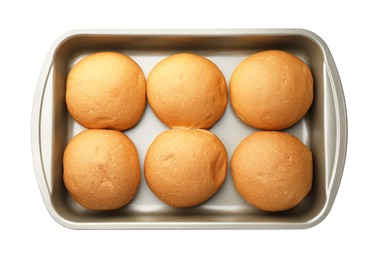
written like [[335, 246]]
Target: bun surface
[[271, 90], [106, 90], [187, 90], [185, 167], [101, 169], [272, 171]]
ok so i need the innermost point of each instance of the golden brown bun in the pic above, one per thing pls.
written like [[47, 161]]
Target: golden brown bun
[[101, 169], [273, 171], [185, 167], [271, 90], [106, 90], [187, 90]]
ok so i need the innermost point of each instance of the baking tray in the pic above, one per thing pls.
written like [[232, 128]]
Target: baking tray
[[323, 129]]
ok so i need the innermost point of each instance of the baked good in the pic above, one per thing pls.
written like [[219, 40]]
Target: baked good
[[271, 90], [101, 169], [185, 167], [106, 90], [187, 90], [273, 171]]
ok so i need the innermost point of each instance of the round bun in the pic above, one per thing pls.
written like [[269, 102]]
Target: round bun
[[271, 90], [185, 167], [101, 169], [272, 171], [187, 90], [106, 90]]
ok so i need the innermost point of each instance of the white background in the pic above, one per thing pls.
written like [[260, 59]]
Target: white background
[[28, 28]]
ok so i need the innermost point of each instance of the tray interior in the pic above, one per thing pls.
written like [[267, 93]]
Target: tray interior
[[226, 51]]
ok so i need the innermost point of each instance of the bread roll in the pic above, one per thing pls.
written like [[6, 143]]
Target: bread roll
[[272, 171], [101, 169], [106, 90], [185, 167], [187, 90], [271, 90]]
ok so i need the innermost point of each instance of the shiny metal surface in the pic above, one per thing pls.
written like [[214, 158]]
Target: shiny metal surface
[[324, 129]]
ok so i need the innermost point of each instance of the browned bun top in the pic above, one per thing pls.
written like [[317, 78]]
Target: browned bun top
[[187, 90], [273, 171], [101, 169], [106, 90], [271, 90], [185, 167]]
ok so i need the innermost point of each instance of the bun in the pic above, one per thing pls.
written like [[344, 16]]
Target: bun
[[271, 90], [101, 169], [185, 167], [106, 90], [272, 171], [187, 90]]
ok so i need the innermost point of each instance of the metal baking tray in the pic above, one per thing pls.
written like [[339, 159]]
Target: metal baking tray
[[323, 129]]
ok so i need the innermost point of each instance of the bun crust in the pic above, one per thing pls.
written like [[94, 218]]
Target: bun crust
[[271, 90], [185, 167], [272, 171], [106, 90], [187, 90], [101, 169]]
